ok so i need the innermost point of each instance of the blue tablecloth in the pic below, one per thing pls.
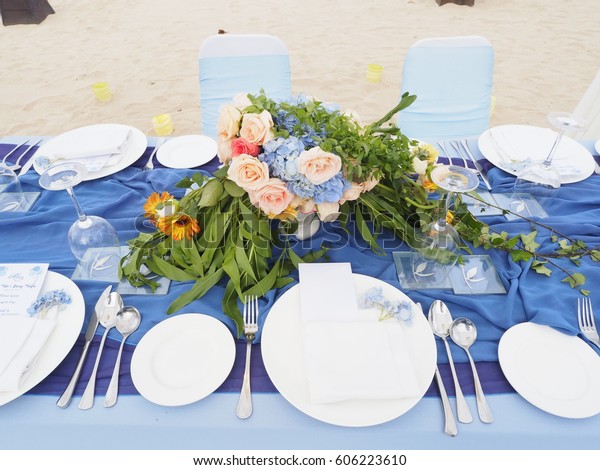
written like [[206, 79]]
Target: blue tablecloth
[[40, 235]]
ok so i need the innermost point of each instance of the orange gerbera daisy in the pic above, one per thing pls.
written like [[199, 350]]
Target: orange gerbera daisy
[[154, 202], [178, 226]]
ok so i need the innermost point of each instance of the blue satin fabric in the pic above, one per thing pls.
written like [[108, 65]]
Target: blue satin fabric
[[222, 78], [454, 91], [40, 236]]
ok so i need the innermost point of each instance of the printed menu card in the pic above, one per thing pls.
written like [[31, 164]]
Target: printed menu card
[[20, 285]]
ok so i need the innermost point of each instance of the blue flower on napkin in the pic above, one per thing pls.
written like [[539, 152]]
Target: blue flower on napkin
[[399, 309], [57, 297]]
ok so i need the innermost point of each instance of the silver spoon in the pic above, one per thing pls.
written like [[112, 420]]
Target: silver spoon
[[464, 333], [440, 319], [128, 320], [107, 320]]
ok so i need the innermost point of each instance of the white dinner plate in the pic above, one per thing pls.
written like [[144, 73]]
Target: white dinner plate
[[182, 359], [136, 146], [282, 353], [502, 144], [187, 151], [597, 146], [64, 335], [558, 373]]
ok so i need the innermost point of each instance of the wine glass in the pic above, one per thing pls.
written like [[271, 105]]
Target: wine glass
[[92, 239], [437, 248], [11, 194], [540, 178]]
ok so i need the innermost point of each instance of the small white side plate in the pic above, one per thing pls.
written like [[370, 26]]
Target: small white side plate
[[182, 359], [187, 151]]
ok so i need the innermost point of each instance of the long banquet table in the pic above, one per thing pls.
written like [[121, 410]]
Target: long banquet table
[[33, 421]]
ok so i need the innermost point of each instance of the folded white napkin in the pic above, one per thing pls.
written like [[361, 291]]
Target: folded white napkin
[[348, 356], [21, 340], [94, 147]]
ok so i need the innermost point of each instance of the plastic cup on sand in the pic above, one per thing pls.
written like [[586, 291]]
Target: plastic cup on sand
[[102, 91], [163, 124], [374, 72]]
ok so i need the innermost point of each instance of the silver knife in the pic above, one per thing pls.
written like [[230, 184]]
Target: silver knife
[[449, 420], [65, 398], [478, 167]]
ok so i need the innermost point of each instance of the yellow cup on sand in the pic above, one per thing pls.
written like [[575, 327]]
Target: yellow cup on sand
[[163, 124], [374, 72], [102, 91]]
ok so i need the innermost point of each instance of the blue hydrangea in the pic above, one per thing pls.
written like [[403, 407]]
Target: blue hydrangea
[[49, 299], [280, 155], [331, 190], [399, 309]]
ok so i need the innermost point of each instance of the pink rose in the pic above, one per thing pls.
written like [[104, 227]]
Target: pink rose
[[228, 124], [257, 128], [224, 149], [328, 211], [241, 146], [248, 172], [318, 166], [273, 198]]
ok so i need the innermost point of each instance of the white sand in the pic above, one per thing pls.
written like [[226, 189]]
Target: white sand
[[547, 53]]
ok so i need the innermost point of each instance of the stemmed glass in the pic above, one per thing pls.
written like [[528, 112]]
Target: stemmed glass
[[540, 178], [437, 249], [92, 239]]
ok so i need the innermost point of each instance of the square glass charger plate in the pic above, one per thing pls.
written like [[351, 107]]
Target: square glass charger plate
[[487, 206], [29, 198], [94, 268], [414, 275], [477, 275], [522, 204]]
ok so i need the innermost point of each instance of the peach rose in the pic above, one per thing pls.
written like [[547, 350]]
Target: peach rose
[[318, 166], [241, 101], [420, 166], [228, 124], [257, 128], [224, 150], [352, 193], [273, 198], [369, 184], [248, 172], [241, 146], [328, 211]]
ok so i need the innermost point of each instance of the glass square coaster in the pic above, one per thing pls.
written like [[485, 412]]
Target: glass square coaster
[[477, 275], [482, 208], [10, 199], [520, 203], [416, 274], [125, 288]]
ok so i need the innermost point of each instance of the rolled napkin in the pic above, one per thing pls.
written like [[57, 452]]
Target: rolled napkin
[[94, 147], [349, 356], [21, 340]]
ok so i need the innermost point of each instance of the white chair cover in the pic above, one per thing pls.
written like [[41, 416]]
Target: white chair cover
[[452, 78], [589, 109], [233, 63]]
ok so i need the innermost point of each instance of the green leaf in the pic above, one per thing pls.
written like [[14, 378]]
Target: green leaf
[[575, 280], [541, 268], [584, 292], [529, 241], [200, 288], [159, 266], [233, 189], [211, 192], [520, 255]]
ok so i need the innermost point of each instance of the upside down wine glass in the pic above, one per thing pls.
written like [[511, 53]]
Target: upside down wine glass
[[437, 248], [541, 179], [92, 239]]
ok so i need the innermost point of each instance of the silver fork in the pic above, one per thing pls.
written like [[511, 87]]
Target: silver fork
[[244, 406], [585, 317], [150, 164], [17, 147], [443, 146]]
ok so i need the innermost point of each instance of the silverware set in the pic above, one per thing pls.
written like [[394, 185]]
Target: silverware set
[[461, 148], [462, 332], [108, 312], [17, 164]]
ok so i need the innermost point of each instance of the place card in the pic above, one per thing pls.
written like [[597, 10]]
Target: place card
[[476, 275], [20, 285]]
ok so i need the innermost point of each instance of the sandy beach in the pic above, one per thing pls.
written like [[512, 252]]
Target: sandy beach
[[546, 55]]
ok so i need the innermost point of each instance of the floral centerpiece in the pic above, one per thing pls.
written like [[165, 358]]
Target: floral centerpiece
[[281, 160]]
